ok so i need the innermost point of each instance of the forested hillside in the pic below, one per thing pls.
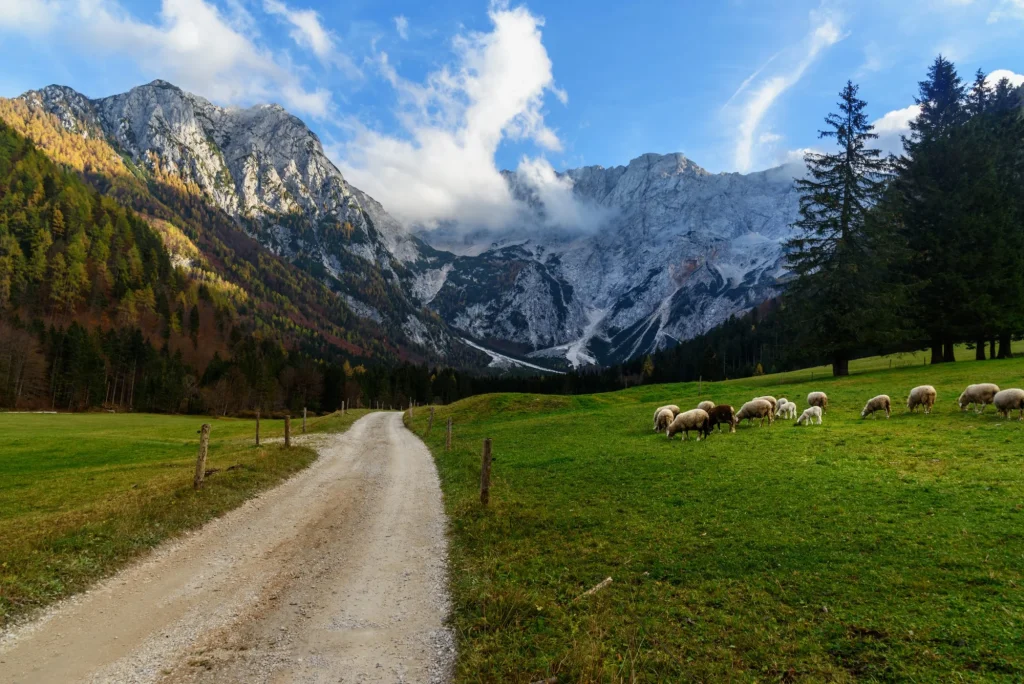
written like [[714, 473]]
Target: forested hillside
[[133, 294]]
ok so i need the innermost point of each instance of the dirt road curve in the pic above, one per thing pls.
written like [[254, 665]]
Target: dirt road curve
[[337, 575]]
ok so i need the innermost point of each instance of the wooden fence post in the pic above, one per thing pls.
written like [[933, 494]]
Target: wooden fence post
[[700, 386], [287, 431], [343, 408], [257, 427], [485, 473], [303, 420], [430, 423], [204, 443], [448, 437]]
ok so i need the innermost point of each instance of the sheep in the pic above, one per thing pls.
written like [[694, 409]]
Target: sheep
[[671, 407], [723, 414], [922, 396], [665, 417], [819, 399], [879, 403], [980, 395], [771, 400], [695, 419], [787, 410], [758, 408], [706, 406], [808, 416], [1010, 400]]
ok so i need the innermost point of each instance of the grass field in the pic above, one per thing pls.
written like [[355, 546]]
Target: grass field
[[81, 494], [859, 550]]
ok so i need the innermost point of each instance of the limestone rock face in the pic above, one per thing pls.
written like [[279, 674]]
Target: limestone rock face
[[678, 251]]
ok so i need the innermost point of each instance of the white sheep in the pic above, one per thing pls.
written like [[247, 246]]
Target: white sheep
[[981, 395], [1010, 400], [695, 419], [706, 405], [819, 399], [671, 407], [771, 400], [879, 403], [663, 419], [787, 410], [757, 408], [809, 415], [923, 395]]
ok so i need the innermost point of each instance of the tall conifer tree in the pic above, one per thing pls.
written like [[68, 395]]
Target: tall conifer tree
[[839, 298]]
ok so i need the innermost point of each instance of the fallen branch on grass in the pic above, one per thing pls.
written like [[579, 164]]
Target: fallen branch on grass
[[596, 588]]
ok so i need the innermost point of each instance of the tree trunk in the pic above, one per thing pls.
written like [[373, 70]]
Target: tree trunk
[[979, 350], [948, 351], [936, 351], [1004, 345], [840, 365], [992, 348]]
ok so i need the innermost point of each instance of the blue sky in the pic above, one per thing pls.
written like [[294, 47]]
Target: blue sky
[[421, 105]]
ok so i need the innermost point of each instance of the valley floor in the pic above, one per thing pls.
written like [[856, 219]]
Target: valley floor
[[859, 550]]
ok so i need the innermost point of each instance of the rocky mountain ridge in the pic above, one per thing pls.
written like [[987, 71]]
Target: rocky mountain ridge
[[676, 251]]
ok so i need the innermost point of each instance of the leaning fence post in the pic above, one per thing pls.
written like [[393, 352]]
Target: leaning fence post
[[430, 423], [257, 427], [485, 472], [448, 436], [287, 431], [303, 420], [204, 444]]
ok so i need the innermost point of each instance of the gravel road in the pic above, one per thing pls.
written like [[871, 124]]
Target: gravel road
[[337, 575]]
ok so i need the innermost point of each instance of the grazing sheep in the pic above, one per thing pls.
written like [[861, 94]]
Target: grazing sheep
[[723, 415], [758, 408], [980, 395], [671, 407], [771, 400], [664, 418], [787, 410], [696, 419], [809, 415], [1010, 400], [922, 396], [879, 403], [706, 406], [819, 399]]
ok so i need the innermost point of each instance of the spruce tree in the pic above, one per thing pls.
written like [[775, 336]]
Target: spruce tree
[[931, 187], [838, 297]]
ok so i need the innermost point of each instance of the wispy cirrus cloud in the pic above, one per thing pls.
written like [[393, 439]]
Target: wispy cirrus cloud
[[308, 31], [826, 30]]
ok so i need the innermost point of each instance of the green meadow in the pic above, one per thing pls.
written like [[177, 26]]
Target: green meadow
[[858, 550], [82, 494]]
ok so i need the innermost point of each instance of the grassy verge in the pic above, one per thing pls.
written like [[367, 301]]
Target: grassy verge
[[82, 494], [860, 550]]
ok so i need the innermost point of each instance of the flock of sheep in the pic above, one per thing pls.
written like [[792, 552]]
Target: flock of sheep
[[707, 414]]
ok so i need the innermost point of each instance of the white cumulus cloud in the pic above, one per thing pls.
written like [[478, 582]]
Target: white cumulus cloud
[[442, 167], [892, 126], [191, 43], [826, 31], [999, 74], [27, 15]]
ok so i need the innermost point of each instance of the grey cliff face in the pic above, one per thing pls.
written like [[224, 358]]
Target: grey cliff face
[[680, 251]]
